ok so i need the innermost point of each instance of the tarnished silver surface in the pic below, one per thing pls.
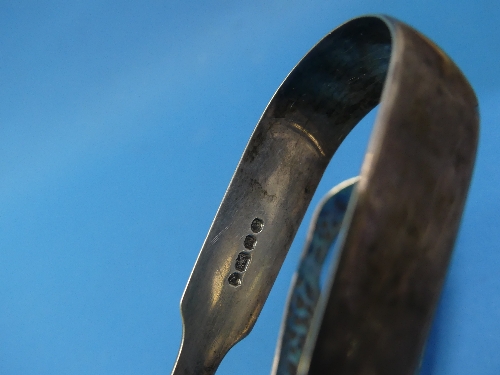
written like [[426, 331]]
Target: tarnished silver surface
[[374, 316], [305, 289]]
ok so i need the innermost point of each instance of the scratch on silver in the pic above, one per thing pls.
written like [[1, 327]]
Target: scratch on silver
[[310, 136]]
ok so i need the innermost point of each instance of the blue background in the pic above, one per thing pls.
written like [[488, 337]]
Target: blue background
[[121, 124]]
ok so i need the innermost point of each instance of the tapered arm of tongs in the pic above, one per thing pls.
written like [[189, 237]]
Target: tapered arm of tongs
[[398, 234], [306, 283]]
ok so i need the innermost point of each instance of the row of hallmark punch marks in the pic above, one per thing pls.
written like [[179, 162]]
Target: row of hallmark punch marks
[[244, 257]]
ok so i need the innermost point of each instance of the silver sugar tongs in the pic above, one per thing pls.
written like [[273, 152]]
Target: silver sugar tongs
[[398, 233]]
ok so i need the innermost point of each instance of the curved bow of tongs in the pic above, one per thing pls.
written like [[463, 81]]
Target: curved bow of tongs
[[399, 231]]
